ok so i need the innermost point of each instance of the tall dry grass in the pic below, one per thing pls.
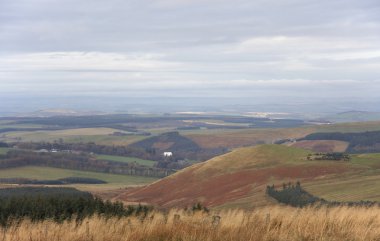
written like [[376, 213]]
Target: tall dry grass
[[265, 224]]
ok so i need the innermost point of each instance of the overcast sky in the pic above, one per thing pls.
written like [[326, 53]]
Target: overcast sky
[[256, 50]]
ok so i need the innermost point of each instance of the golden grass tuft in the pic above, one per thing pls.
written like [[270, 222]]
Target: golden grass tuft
[[265, 224]]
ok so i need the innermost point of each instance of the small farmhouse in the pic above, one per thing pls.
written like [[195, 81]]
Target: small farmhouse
[[168, 153]]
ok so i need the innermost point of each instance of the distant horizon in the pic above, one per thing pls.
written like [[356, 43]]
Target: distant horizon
[[309, 110]]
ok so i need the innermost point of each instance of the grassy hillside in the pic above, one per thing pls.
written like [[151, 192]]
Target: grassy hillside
[[240, 177], [256, 157]]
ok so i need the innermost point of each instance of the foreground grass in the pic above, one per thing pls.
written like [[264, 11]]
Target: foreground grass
[[266, 224]]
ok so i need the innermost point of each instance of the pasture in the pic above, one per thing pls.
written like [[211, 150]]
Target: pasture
[[3, 150], [102, 136], [48, 173], [126, 160]]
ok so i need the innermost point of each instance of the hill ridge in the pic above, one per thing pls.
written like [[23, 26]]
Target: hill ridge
[[240, 174]]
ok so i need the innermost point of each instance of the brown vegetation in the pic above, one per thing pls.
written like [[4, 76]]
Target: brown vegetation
[[266, 224], [187, 188], [243, 173]]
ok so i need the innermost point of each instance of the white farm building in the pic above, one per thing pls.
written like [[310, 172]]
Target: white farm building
[[168, 153]]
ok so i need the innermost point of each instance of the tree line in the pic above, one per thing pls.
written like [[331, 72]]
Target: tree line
[[92, 147], [61, 181], [58, 204], [82, 162], [182, 151], [293, 195], [334, 156], [296, 196]]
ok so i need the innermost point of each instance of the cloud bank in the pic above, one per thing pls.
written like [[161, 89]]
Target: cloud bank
[[291, 50]]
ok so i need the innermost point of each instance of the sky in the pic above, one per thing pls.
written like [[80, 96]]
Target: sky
[[323, 55]]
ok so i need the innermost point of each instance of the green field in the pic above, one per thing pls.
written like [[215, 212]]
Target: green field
[[356, 187], [370, 159], [126, 159], [48, 173], [3, 150], [360, 182], [97, 135]]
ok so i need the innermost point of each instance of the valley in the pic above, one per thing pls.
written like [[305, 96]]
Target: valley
[[219, 161]]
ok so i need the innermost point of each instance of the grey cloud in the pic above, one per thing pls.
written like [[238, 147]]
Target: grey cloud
[[190, 48], [136, 25]]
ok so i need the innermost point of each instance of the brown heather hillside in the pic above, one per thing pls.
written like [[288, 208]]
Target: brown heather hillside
[[239, 178]]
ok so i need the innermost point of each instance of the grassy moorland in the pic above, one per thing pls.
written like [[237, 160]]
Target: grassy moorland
[[278, 223], [239, 179]]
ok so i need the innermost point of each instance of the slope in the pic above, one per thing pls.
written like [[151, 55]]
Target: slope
[[240, 177]]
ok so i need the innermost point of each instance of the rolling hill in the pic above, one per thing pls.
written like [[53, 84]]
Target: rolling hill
[[239, 178]]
